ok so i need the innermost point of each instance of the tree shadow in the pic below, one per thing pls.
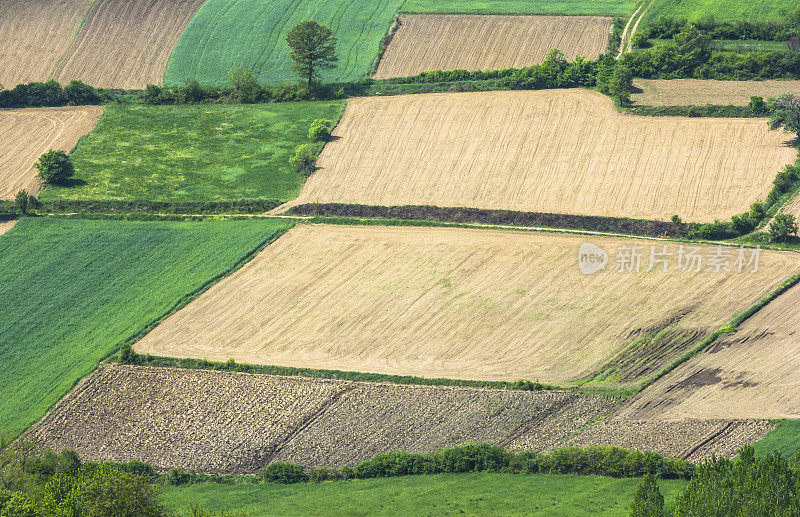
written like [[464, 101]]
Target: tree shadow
[[71, 183]]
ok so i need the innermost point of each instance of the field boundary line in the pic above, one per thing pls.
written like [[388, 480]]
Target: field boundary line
[[60, 59], [626, 40], [704, 441]]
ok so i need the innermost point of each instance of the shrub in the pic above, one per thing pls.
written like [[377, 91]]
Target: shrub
[[193, 92], [79, 93], [303, 159], [55, 167], [757, 105], [285, 473], [320, 130], [22, 200], [126, 354], [524, 385], [647, 499], [782, 227], [245, 87]]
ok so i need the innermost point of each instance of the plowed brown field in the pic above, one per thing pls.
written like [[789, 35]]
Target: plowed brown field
[[753, 373], [35, 36], [233, 422], [126, 43], [488, 42], [556, 151], [6, 225], [457, 303], [686, 92], [27, 133]]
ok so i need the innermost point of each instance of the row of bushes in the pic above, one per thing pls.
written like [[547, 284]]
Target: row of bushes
[[51, 93], [756, 108], [666, 28]]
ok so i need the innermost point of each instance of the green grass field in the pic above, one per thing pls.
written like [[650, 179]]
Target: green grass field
[[441, 494], [721, 10], [194, 153], [785, 438], [226, 34], [619, 8], [72, 290]]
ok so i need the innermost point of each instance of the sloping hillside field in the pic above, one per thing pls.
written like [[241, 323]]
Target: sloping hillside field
[[125, 43], [27, 133], [35, 36], [686, 92], [555, 151], [235, 422], [458, 303], [753, 372], [475, 42], [72, 290], [226, 34]]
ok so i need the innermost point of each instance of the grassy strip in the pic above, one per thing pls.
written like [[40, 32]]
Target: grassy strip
[[709, 110], [112, 206], [784, 438], [314, 373]]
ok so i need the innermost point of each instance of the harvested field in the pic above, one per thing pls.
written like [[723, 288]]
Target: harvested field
[[6, 225], [455, 303], [687, 92], [555, 151], [753, 373], [693, 440], [793, 207], [234, 422], [27, 133], [113, 51], [488, 42], [35, 36]]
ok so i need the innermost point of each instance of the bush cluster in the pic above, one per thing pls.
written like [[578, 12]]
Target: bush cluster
[[244, 90], [49, 94], [667, 27]]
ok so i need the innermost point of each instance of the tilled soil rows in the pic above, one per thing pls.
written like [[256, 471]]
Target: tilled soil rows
[[462, 304], [554, 151], [425, 42], [698, 92], [237, 423], [752, 373], [693, 440], [27, 133]]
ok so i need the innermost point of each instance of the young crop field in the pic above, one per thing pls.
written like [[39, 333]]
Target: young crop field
[[443, 494], [35, 36], [722, 10], [74, 289], [27, 133], [686, 92], [456, 42], [125, 43], [457, 303], [227, 34], [784, 438], [695, 439], [621, 8], [554, 151], [752, 373], [238, 423], [194, 153]]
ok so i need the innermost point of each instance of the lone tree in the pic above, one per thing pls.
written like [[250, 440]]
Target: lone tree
[[647, 500], [313, 48], [782, 227], [785, 112], [54, 167]]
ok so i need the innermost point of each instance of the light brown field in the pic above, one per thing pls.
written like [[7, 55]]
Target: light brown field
[[793, 207], [753, 373], [555, 151], [238, 423], [488, 42], [27, 133], [126, 43], [35, 36], [686, 92], [457, 303], [6, 225]]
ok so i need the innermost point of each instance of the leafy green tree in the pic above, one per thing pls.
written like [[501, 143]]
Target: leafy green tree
[[782, 227], [55, 167], [313, 48], [245, 87], [303, 159], [22, 200], [785, 112], [621, 84], [757, 105], [81, 94], [647, 500], [320, 130]]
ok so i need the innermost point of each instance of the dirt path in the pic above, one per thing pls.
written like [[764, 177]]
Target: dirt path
[[635, 19]]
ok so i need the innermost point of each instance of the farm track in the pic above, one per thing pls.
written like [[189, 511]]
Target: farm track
[[27, 133], [448, 302], [751, 373], [556, 151], [488, 42], [684, 92], [237, 423]]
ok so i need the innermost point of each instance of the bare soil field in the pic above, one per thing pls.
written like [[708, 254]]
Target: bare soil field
[[793, 207], [426, 42], [237, 423], [35, 36], [6, 225], [693, 440], [686, 92], [27, 133], [554, 151], [112, 50], [753, 373], [456, 303]]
